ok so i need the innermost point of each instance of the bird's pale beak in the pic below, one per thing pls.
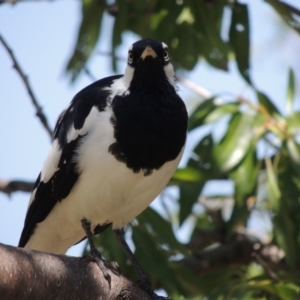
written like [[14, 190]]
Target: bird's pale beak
[[148, 52]]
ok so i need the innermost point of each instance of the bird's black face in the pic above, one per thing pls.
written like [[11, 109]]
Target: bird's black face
[[149, 63], [147, 50]]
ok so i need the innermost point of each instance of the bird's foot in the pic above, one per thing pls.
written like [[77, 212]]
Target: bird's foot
[[104, 265], [145, 285]]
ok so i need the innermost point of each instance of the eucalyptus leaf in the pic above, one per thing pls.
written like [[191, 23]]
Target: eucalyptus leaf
[[201, 112], [155, 260], [188, 174], [235, 143], [212, 47], [210, 111], [288, 12], [239, 35], [267, 103], [294, 154], [188, 196], [244, 177], [161, 229], [290, 91], [92, 12]]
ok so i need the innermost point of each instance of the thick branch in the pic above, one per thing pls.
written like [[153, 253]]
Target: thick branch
[[39, 111], [27, 274]]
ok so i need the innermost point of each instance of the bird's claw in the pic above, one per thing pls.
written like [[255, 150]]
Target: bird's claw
[[145, 285], [113, 266], [104, 265]]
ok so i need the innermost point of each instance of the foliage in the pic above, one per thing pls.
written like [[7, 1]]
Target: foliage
[[221, 261]]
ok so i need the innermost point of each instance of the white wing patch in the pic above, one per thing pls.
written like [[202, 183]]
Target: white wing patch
[[74, 133], [51, 164]]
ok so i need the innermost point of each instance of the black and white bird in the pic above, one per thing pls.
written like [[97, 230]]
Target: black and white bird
[[115, 148]]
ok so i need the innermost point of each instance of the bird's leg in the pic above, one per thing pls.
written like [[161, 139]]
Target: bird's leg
[[144, 281], [96, 256]]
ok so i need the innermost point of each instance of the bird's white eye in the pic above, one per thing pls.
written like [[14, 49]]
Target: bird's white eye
[[166, 55], [130, 57]]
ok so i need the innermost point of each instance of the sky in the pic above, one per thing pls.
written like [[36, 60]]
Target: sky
[[42, 36]]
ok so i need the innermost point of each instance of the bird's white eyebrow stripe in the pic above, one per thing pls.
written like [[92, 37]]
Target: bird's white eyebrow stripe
[[130, 48], [165, 46]]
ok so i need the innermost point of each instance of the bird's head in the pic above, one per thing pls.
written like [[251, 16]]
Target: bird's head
[[148, 60]]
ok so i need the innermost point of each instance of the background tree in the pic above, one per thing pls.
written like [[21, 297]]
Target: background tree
[[252, 146]]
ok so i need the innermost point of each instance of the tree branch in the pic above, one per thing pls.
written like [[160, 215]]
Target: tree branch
[[10, 186], [27, 274], [39, 111], [240, 250]]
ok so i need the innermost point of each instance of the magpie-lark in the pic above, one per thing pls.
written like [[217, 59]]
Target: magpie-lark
[[115, 148]]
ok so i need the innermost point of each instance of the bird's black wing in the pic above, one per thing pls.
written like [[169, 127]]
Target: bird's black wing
[[59, 173]]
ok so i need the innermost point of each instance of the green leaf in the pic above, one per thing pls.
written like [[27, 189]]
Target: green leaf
[[188, 196], [188, 174], [186, 39], [290, 91], [267, 103], [207, 29], [235, 143], [285, 231], [245, 174], [288, 12], [153, 259], [286, 219], [240, 39], [274, 190], [131, 17], [244, 177], [221, 111], [201, 112], [294, 154], [293, 121], [210, 111], [179, 35], [162, 230], [287, 291], [92, 12], [203, 160]]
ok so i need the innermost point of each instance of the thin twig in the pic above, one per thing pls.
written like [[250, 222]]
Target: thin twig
[[10, 186], [39, 110], [199, 90], [89, 73], [104, 53]]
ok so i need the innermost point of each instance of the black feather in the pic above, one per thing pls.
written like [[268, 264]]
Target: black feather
[[61, 183]]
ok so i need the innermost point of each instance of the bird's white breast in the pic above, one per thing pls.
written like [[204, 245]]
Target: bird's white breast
[[115, 193]]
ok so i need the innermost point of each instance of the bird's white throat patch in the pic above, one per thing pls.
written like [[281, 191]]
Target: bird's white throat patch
[[169, 71], [121, 86]]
